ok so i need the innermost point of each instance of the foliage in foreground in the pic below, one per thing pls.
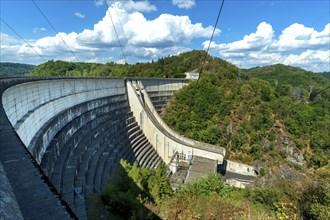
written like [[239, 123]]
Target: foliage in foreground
[[134, 186], [143, 193]]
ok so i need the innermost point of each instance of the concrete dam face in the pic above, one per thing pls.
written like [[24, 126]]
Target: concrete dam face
[[61, 139]]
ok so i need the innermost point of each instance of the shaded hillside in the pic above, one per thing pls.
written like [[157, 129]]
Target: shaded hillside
[[167, 67], [15, 69]]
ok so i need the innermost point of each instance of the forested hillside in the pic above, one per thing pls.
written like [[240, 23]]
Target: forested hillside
[[168, 67], [275, 118], [15, 69], [268, 114], [325, 74]]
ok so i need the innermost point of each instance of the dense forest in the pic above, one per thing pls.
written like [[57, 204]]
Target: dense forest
[[275, 118], [325, 74], [168, 67], [15, 69], [259, 114]]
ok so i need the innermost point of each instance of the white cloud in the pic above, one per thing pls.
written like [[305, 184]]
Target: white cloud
[[298, 36], [165, 31], [132, 6], [38, 30], [99, 3], [79, 15], [135, 30], [252, 42], [184, 4], [142, 38], [297, 45], [7, 40], [308, 58]]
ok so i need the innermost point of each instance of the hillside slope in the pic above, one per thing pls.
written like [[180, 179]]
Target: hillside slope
[[275, 113], [15, 69], [167, 67]]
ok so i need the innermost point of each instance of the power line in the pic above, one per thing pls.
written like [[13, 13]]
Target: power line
[[23, 40], [320, 63], [122, 28], [55, 30], [208, 48], [114, 27]]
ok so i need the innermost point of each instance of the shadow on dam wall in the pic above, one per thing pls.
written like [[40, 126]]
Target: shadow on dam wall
[[62, 138]]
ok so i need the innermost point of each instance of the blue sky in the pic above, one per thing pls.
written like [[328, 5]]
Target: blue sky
[[249, 33]]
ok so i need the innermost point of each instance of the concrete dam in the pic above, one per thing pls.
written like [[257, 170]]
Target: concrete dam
[[62, 138]]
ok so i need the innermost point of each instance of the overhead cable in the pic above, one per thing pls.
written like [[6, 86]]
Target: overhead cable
[[208, 48], [114, 27], [320, 63], [24, 40], [122, 28], [55, 31]]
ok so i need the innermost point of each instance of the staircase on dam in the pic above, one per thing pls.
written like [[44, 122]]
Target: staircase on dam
[[63, 138]]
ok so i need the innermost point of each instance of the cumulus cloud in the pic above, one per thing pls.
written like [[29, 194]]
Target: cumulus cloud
[[184, 4], [252, 42], [297, 45], [7, 40], [79, 15], [298, 36], [142, 38], [132, 6], [137, 33]]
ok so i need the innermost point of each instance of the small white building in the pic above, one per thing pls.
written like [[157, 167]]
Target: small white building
[[192, 75]]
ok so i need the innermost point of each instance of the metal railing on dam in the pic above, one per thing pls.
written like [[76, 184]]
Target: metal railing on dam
[[62, 138]]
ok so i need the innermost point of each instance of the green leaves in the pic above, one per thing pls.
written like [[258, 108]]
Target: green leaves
[[134, 186], [250, 112], [213, 183]]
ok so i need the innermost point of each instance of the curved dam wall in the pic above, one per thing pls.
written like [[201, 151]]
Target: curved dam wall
[[62, 139], [167, 142], [160, 92]]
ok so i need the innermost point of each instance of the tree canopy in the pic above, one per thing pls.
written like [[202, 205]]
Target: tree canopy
[[251, 115], [15, 69]]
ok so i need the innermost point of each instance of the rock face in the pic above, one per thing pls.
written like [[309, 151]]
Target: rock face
[[289, 149], [279, 173]]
